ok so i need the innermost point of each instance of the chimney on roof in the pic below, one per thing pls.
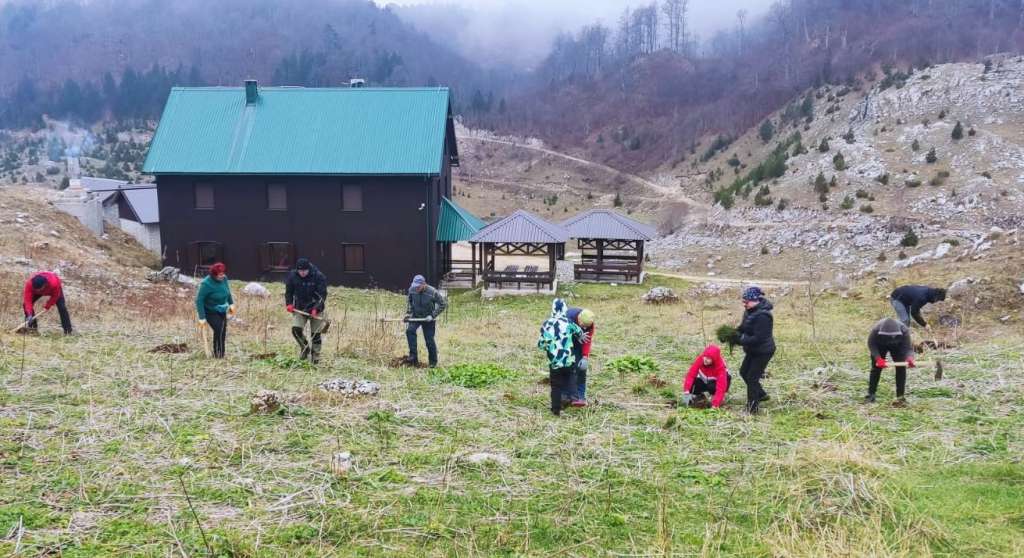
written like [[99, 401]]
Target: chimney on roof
[[251, 92], [356, 83]]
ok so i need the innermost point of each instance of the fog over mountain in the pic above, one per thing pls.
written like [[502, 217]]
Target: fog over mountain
[[520, 32]]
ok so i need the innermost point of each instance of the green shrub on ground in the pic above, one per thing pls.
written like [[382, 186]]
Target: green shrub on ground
[[472, 375]]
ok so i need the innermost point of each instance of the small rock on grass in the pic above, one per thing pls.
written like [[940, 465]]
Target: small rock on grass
[[265, 402], [484, 457], [350, 387]]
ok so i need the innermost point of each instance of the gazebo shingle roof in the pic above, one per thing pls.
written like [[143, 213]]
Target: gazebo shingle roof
[[521, 227], [607, 225]]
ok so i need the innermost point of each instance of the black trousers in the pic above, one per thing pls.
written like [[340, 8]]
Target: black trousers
[[901, 374], [700, 387], [62, 309], [752, 370], [219, 324], [560, 380]]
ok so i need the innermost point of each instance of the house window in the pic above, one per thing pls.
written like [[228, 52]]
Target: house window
[[277, 256], [351, 197], [277, 197], [203, 254], [203, 194], [353, 258]]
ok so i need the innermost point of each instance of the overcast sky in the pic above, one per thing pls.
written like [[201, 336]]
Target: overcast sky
[[520, 31]]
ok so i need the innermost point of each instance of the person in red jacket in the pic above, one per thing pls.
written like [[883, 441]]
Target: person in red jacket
[[708, 375], [45, 283]]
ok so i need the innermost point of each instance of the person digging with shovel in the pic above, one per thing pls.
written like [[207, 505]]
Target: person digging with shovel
[[908, 301], [708, 377], [424, 306], [305, 298], [214, 304], [890, 338], [44, 283]]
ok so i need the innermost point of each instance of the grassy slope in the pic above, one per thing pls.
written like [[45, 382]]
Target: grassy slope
[[95, 432]]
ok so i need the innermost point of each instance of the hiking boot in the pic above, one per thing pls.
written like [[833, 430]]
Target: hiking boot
[[411, 361], [579, 403], [764, 398], [900, 403], [869, 398], [433, 365], [304, 353]]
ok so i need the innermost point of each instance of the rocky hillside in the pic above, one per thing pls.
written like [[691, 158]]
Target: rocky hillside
[[864, 176]]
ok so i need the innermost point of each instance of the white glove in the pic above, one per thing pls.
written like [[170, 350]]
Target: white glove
[[584, 364], [687, 398]]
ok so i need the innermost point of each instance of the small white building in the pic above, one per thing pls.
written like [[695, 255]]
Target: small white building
[[133, 208]]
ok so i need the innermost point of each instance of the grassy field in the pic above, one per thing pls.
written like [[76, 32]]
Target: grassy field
[[103, 445]]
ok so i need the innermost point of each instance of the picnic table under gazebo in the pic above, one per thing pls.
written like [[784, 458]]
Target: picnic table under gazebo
[[611, 246], [520, 234]]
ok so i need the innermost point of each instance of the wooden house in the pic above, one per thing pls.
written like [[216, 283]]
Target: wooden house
[[352, 178]]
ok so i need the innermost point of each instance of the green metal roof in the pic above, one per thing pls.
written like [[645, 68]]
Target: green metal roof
[[296, 130], [456, 224]]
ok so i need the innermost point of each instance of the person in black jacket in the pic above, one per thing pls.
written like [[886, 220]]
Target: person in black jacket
[[305, 297], [889, 338], [755, 336], [908, 300]]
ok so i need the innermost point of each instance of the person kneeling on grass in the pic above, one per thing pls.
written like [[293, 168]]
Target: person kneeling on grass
[[556, 339], [891, 338], [708, 377], [575, 392]]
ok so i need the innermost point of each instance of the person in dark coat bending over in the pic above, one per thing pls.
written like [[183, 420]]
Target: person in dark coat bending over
[[305, 297], [889, 338], [45, 283], [756, 337], [908, 301], [425, 305]]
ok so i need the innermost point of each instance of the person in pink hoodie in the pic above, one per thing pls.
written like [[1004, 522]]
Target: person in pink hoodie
[[708, 376]]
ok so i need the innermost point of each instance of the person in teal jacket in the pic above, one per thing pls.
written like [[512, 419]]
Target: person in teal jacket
[[214, 304]]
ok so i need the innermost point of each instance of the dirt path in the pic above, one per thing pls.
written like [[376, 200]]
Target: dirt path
[[666, 193], [732, 280]]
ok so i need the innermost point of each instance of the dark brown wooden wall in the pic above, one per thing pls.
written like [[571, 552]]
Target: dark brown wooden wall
[[398, 237]]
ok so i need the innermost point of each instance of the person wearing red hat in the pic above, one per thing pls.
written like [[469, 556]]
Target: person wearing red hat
[[214, 304], [708, 375], [45, 283]]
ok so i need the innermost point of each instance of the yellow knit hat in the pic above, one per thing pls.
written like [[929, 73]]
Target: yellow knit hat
[[586, 318]]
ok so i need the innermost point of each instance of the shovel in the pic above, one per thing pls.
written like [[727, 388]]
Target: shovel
[[938, 361], [327, 323], [29, 321], [206, 341]]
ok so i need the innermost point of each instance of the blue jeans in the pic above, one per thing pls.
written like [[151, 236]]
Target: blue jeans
[[576, 388], [902, 312], [428, 337]]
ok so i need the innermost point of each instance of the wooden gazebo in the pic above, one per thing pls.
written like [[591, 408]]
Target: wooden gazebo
[[611, 245], [457, 225], [520, 234]]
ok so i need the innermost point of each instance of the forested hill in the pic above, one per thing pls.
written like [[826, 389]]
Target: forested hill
[[642, 93], [89, 60]]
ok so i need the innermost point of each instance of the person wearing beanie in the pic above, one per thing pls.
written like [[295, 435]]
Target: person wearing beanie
[[908, 301], [40, 284], [755, 335], [575, 392], [889, 338], [305, 297], [425, 304], [708, 377], [557, 336], [214, 304]]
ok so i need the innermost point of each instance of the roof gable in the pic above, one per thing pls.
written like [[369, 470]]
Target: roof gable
[[143, 203], [295, 130], [522, 227], [608, 225], [456, 224]]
